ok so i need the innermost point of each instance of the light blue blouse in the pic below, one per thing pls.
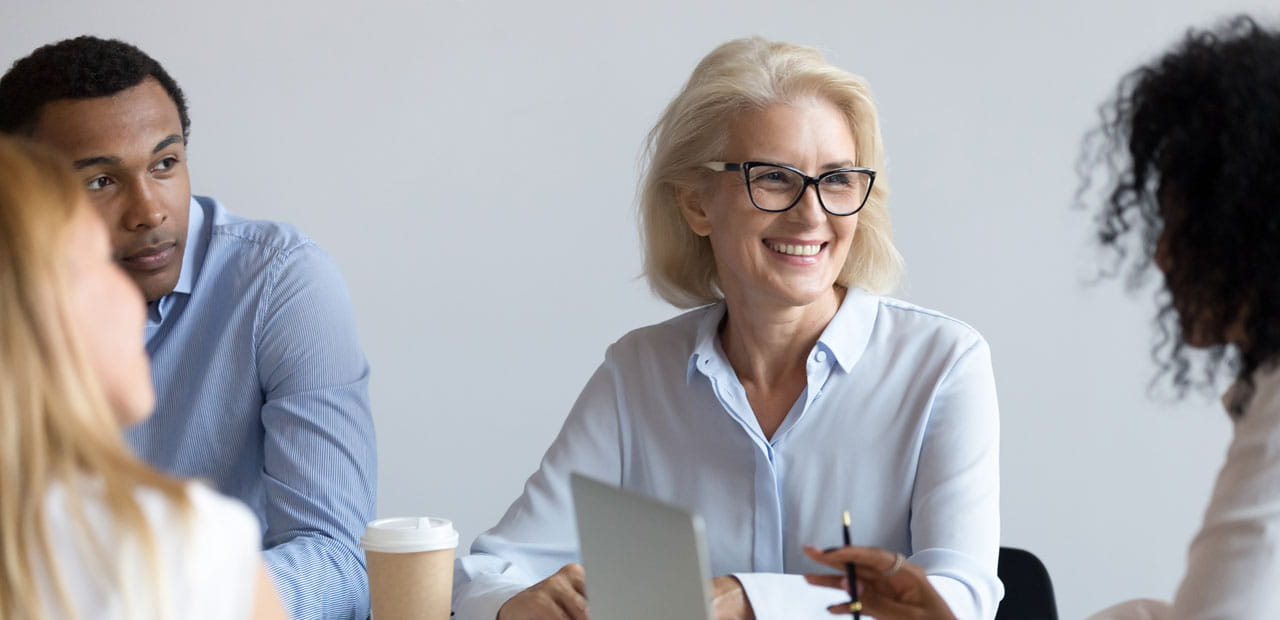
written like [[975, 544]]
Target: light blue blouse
[[898, 424]]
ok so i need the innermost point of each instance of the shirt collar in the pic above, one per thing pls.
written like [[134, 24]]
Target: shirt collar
[[849, 331], [846, 336], [706, 344], [1239, 397], [192, 258], [194, 252]]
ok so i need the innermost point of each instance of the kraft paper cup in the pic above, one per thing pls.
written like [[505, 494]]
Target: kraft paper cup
[[410, 563]]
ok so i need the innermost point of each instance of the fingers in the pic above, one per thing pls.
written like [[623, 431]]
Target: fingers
[[839, 582], [576, 575], [570, 587], [882, 608], [827, 581], [888, 589], [870, 557], [562, 596]]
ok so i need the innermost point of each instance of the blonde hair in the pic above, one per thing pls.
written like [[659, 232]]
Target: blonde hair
[[56, 426], [752, 74]]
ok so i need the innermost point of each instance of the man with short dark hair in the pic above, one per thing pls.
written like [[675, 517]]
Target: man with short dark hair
[[262, 387]]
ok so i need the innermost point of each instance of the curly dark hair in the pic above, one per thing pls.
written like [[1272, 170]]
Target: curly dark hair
[[1190, 146], [79, 68]]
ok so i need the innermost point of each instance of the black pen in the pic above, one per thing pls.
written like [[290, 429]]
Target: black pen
[[855, 606]]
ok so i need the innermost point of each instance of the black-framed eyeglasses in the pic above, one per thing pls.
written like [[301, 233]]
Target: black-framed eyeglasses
[[776, 187]]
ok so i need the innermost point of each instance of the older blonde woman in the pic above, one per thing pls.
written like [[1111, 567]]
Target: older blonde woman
[[86, 530], [793, 390]]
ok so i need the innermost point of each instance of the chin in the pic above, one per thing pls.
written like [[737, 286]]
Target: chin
[[158, 285], [136, 411], [800, 297]]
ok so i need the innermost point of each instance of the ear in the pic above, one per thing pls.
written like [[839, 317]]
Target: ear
[[691, 206]]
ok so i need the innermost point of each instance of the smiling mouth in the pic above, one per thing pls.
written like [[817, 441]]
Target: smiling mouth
[[795, 249]]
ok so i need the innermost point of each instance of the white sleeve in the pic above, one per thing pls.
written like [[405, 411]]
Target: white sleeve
[[538, 534], [778, 596], [1232, 566], [955, 505], [221, 557]]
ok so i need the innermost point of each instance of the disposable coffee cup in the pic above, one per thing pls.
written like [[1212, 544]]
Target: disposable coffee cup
[[410, 563]]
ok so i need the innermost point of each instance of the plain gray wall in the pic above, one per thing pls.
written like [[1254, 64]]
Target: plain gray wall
[[472, 166]]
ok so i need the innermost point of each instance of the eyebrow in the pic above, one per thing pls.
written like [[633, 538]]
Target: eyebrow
[[99, 160], [81, 164], [172, 139]]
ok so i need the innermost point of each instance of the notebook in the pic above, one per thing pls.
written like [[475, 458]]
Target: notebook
[[644, 559]]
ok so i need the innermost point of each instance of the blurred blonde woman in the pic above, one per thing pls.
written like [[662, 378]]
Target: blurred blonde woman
[[86, 530], [792, 389]]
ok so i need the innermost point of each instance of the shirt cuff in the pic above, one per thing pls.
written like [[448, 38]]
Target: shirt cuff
[[958, 596], [775, 596], [481, 601]]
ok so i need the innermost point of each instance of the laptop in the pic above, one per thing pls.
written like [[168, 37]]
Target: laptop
[[644, 559]]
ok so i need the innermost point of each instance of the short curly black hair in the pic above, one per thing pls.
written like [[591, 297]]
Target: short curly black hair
[[1191, 149], [79, 68]]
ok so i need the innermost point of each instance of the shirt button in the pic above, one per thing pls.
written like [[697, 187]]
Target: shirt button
[[821, 356]]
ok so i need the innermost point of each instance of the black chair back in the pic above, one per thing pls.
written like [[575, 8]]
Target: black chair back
[[1028, 591]]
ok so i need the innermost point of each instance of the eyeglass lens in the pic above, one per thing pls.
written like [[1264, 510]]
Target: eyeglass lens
[[777, 189]]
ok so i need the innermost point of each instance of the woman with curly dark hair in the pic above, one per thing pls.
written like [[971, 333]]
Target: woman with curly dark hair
[[1190, 149]]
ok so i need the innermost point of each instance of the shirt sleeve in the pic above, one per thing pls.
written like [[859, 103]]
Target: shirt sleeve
[[955, 505], [537, 535], [1232, 567], [319, 466], [776, 596]]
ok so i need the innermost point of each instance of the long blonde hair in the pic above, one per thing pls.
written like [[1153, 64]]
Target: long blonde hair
[[56, 427], [744, 74]]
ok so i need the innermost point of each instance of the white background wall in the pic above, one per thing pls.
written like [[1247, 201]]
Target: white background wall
[[471, 166]]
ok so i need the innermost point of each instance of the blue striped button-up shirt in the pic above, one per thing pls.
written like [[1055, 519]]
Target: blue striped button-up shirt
[[262, 389], [898, 424]]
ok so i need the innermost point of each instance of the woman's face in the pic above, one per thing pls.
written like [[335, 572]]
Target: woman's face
[[110, 318], [782, 259]]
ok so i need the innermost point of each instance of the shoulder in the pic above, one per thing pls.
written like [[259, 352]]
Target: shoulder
[[1262, 410], [675, 336], [273, 240], [221, 512], [270, 256], [903, 321], [212, 519], [218, 555]]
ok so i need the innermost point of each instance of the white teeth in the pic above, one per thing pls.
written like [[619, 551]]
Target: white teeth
[[796, 250]]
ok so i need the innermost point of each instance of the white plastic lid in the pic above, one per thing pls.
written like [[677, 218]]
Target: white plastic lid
[[409, 535]]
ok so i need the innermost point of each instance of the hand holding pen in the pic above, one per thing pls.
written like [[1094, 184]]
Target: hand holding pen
[[888, 586]]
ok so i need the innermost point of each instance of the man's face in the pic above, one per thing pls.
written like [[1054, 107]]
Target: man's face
[[129, 151]]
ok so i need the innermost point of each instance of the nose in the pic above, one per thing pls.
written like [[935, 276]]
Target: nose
[[145, 210], [809, 208]]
